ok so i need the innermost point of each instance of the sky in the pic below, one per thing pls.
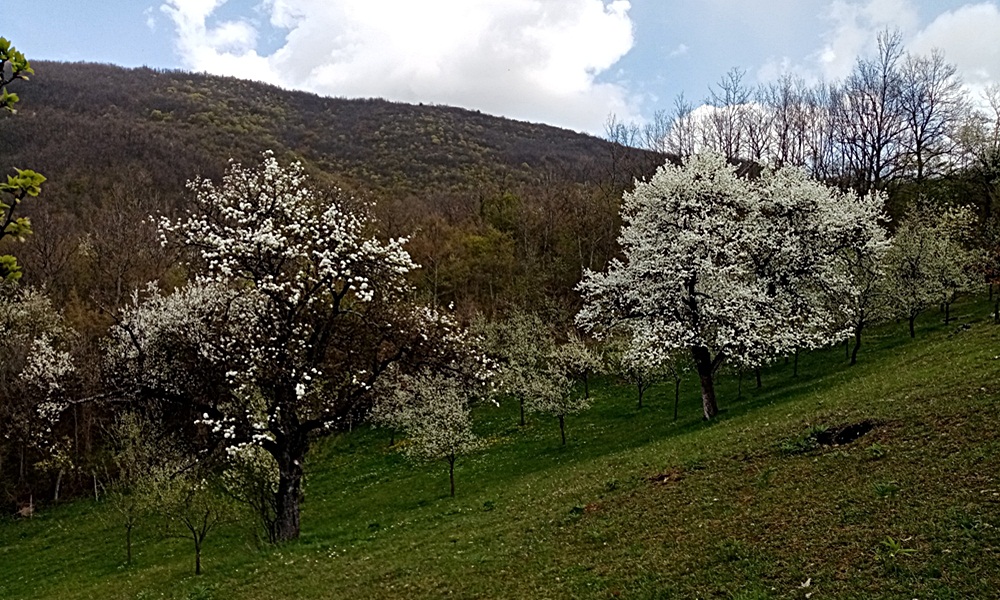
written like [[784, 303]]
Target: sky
[[569, 63]]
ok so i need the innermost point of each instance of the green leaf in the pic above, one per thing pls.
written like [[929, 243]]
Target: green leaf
[[9, 269], [19, 228], [25, 183]]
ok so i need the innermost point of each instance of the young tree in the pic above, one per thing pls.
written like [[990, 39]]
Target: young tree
[[911, 281], [26, 183], [630, 360], [250, 478], [192, 501], [300, 311], [521, 344], [953, 258], [136, 454], [553, 392], [433, 410], [728, 268], [574, 358]]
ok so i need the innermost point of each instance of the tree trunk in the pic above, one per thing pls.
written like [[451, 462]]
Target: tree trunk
[[197, 555], [639, 388], [289, 493], [59, 477], [128, 543], [947, 312], [913, 331], [847, 348], [857, 342], [756, 372], [586, 384], [739, 385], [522, 410], [562, 428], [705, 368], [996, 311], [677, 395], [451, 473], [795, 368]]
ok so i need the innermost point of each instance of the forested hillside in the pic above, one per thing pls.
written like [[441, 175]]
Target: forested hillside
[[515, 210]]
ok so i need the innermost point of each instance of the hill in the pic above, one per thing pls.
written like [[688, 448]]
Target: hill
[[874, 481], [520, 206]]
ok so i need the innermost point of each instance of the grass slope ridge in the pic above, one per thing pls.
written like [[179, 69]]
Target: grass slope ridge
[[754, 505]]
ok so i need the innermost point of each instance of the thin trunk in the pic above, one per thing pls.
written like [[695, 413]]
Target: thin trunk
[[991, 292], [858, 327], [677, 395], [128, 542], [913, 331], [197, 555], [641, 390], [756, 372], [703, 363], [947, 312], [562, 428], [847, 349], [795, 368], [59, 477], [586, 384], [739, 385], [451, 473], [522, 410]]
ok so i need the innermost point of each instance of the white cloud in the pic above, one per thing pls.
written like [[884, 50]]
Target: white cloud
[[854, 31], [968, 37], [680, 50], [529, 59], [150, 19]]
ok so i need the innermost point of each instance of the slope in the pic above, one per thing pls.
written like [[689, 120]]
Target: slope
[[778, 498]]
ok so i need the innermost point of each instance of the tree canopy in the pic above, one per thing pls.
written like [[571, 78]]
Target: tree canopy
[[729, 268]]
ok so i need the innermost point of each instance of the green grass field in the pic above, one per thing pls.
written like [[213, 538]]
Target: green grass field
[[751, 505]]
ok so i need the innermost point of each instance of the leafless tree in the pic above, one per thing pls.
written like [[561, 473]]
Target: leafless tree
[[932, 102], [868, 117], [682, 134], [724, 128]]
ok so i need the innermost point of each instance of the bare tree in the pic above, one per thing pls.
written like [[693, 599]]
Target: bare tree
[[869, 119], [656, 133], [758, 126], [724, 128], [932, 103], [682, 134], [979, 143]]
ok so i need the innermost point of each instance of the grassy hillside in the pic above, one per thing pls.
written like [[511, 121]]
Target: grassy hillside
[[758, 504]]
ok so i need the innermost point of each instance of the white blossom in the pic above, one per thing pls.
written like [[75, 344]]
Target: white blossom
[[731, 268]]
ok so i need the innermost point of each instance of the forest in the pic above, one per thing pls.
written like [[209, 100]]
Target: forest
[[209, 285]]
